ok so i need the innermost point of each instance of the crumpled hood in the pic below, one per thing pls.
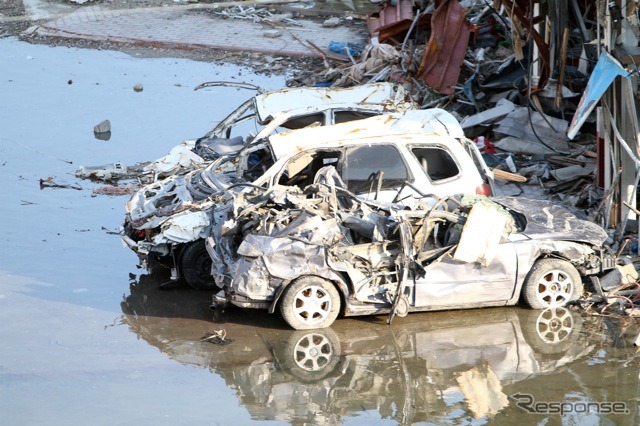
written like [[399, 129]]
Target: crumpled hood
[[163, 198], [549, 221]]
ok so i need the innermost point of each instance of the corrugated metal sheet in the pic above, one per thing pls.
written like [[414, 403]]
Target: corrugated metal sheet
[[447, 46], [391, 21]]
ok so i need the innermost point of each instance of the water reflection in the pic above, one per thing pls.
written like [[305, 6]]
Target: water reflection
[[462, 366]]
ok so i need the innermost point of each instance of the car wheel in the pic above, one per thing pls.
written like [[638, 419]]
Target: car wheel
[[552, 331], [310, 355], [195, 266], [310, 302], [551, 283]]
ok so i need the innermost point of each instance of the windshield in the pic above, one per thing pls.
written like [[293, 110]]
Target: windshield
[[241, 122]]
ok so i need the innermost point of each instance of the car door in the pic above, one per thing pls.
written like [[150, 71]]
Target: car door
[[452, 283]]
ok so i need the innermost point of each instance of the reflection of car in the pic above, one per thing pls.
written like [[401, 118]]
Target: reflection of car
[[326, 252], [429, 370], [399, 155]]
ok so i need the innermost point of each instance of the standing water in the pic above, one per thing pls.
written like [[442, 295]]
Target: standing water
[[89, 338]]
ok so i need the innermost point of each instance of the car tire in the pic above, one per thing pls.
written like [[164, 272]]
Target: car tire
[[551, 283], [551, 332], [310, 302], [195, 266], [310, 355]]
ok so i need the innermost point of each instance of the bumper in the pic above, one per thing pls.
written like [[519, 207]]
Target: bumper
[[150, 255]]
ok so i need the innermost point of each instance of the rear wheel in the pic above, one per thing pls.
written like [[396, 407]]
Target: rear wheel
[[310, 302], [310, 355], [551, 283], [195, 266]]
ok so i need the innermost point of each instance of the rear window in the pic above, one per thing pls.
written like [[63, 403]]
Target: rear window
[[436, 162]]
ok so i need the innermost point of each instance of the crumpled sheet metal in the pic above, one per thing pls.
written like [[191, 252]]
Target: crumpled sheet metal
[[180, 157], [184, 228], [280, 259], [551, 130], [140, 210], [550, 221], [606, 71], [447, 47]]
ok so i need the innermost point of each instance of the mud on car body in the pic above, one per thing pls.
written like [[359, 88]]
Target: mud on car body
[[324, 252], [395, 157]]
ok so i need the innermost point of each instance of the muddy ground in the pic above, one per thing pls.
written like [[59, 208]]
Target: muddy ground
[[88, 337], [18, 16]]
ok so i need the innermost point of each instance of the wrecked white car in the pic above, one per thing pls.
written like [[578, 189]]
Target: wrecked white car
[[395, 157], [324, 252], [272, 112]]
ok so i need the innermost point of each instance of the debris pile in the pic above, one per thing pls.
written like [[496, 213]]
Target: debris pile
[[506, 82]]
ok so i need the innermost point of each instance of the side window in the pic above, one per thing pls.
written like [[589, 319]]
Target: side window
[[362, 163], [345, 116], [302, 121], [436, 162], [301, 170]]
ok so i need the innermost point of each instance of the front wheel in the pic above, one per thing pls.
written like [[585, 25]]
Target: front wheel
[[195, 266], [310, 302], [551, 283]]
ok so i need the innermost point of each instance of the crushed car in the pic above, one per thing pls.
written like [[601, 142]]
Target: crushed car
[[324, 251], [395, 157], [276, 111]]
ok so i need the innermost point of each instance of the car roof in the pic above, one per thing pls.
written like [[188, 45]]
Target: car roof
[[434, 122], [299, 98]]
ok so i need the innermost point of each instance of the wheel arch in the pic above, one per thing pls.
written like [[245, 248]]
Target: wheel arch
[[334, 279]]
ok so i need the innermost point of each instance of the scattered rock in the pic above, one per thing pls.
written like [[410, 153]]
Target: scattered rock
[[70, 82], [138, 87], [29, 31], [272, 33], [332, 22], [103, 127]]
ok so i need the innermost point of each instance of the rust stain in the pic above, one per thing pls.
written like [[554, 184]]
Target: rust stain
[[446, 49]]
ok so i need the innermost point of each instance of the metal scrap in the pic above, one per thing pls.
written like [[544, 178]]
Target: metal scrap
[[50, 183], [446, 49]]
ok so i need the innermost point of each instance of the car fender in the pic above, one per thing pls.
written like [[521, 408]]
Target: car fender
[[342, 287]]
